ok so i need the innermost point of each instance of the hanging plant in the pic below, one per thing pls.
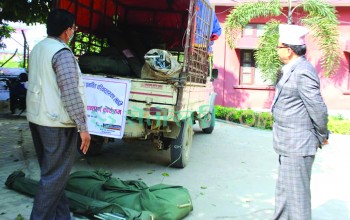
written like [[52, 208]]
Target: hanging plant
[[320, 18]]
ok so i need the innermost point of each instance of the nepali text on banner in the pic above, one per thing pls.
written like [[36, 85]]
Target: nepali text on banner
[[106, 105]]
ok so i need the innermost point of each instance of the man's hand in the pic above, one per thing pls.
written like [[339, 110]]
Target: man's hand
[[85, 141], [214, 37], [325, 142]]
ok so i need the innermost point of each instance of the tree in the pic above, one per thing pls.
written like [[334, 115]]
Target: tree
[[320, 17], [5, 32], [27, 11]]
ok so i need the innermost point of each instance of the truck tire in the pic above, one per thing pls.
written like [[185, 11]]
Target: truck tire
[[181, 146], [211, 117], [95, 148]]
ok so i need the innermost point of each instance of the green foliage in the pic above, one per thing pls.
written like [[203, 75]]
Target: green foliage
[[5, 32], [11, 63], [29, 12], [88, 43], [241, 16], [320, 8], [19, 217], [227, 113], [264, 120], [321, 19], [266, 55], [245, 117], [338, 125], [23, 10], [165, 174]]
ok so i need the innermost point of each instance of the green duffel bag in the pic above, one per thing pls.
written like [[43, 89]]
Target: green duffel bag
[[165, 202], [99, 64], [78, 203]]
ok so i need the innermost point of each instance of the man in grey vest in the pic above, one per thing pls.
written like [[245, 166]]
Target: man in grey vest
[[56, 114], [300, 125]]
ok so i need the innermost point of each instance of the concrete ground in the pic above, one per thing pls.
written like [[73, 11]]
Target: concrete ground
[[231, 174]]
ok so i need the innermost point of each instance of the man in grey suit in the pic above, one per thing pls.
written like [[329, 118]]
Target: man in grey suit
[[300, 125]]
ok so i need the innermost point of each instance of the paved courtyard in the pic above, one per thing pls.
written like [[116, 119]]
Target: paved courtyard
[[231, 174]]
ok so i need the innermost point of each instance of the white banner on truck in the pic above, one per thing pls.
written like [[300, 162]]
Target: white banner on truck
[[107, 105]]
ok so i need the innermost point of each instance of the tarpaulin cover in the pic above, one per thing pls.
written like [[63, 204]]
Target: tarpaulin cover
[[163, 18], [91, 16], [166, 202], [97, 192], [77, 203], [141, 11]]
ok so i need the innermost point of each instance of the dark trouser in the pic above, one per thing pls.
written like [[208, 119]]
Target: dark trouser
[[55, 149], [293, 194]]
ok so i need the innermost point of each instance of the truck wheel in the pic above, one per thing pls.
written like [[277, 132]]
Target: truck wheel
[[210, 117], [181, 146], [95, 148]]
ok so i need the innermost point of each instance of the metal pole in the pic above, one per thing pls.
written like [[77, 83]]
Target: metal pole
[[290, 21], [24, 50]]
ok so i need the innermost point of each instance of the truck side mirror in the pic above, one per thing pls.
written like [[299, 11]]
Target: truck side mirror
[[214, 74]]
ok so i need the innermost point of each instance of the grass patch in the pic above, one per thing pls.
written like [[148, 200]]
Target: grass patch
[[264, 120], [338, 125]]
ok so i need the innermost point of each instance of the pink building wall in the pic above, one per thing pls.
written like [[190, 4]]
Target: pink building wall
[[335, 90]]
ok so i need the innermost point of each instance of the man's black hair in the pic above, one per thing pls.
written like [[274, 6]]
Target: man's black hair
[[58, 21], [299, 50]]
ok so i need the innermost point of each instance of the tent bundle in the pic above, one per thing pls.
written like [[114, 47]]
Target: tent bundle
[[97, 194]]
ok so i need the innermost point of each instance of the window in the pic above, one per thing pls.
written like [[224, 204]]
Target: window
[[249, 73], [253, 30], [260, 30], [247, 67], [248, 30]]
